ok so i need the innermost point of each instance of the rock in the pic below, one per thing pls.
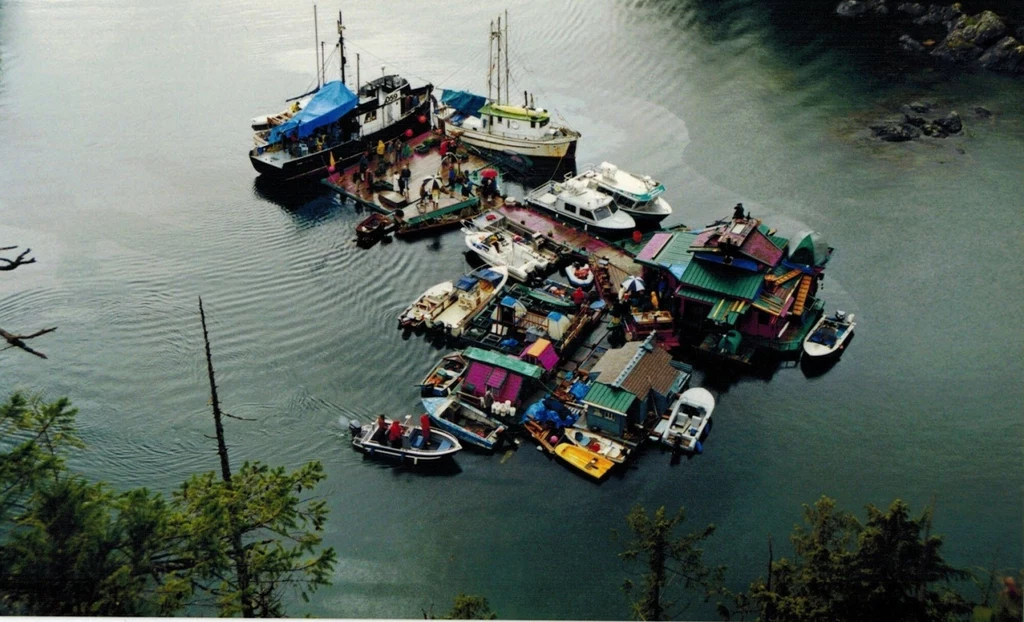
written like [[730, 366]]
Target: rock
[[1006, 55], [909, 44], [895, 132], [912, 9], [937, 14], [982, 112], [919, 106], [915, 120], [851, 8], [982, 29], [956, 49], [950, 124]]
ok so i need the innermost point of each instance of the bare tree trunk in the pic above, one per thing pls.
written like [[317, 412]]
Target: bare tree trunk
[[18, 341], [241, 565]]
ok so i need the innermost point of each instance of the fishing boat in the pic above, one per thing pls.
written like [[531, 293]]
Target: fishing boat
[[429, 304], [637, 195], [583, 206], [584, 460], [370, 439], [688, 421], [494, 125], [830, 336], [444, 376], [580, 274], [469, 295], [333, 126], [373, 228], [600, 445], [466, 423]]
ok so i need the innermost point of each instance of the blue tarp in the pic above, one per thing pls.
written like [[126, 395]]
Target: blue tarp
[[333, 101], [466, 103]]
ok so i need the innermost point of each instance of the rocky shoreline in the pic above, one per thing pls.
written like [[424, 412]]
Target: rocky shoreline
[[944, 33]]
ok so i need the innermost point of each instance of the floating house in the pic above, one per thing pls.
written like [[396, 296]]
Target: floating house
[[631, 387], [740, 286], [506, 376]]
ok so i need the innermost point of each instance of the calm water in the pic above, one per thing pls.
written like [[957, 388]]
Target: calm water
[[123, 133]]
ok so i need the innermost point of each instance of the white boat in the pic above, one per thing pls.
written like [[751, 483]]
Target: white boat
[[585, 207], [525, 254], [600, 445], [830, 336], [468, 297], [580, 275], [465, 422], [370, 439], [493, 124], [430, 303], [639, 196], [688, 421]]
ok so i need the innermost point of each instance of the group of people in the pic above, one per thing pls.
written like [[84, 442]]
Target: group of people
[[382, 159], [393, 434]]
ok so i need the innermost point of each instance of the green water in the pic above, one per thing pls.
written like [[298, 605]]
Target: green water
[[123, 133]]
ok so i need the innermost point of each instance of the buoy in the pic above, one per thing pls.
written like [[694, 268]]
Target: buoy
[[422, 118], [408, 133]]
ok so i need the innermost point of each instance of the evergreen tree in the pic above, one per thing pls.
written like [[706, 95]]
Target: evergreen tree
[[671, 564]]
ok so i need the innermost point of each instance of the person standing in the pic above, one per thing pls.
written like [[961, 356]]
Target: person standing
[[405, 177], [381, 432], [425, 428], [395, 434]]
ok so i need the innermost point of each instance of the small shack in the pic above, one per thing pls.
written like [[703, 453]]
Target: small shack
[[506, 376], [631, 384], [542, 353]]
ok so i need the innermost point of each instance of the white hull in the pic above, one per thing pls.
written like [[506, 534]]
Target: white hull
[[829, 337], [689, 419], [427, 306], [616, 452], [571, 199], [466, 304], [637, 195], [500, 248], [556, 147]]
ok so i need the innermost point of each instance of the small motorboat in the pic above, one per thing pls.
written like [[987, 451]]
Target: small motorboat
[[586, 208], [444, 376], [637, 195], [465, 422], [469, 296], [830, 336], [584, 460], [371, 439], [687, 422], [503, 248], [373, 228], [580, 275], [600, 445], [428, 306]]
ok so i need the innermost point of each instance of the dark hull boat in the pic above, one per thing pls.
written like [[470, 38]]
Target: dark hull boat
[[334, 126]]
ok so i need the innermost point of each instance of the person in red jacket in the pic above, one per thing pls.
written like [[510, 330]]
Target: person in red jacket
[[395, 434], [425, 428]]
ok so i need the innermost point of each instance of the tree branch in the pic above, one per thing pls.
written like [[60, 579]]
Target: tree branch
[[18, 341], [11, 264]]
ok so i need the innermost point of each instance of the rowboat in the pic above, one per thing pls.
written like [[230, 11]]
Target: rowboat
[[600, 445], [444, 376], [465, 422], [584, 460]]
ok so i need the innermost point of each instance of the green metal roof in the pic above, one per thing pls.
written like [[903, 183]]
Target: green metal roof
[[609, 398], [728, 311], [504, 361], [721, 279], [700, 296]]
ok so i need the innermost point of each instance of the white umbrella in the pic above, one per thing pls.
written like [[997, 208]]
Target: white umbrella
[[632, 285]]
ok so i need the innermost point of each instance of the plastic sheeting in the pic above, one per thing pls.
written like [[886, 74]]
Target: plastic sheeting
[[464, 102], [333, 101]]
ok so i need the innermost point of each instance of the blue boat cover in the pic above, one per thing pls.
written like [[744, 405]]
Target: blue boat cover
[[466, 283], [466, 103], [490, 275], [333, 101], [508, 301]]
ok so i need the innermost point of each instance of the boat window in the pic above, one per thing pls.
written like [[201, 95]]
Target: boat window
[[544, 122], [485, 123], [624, 202], [585, 213], [602, 212], [569, 208], [370, 116], [533, 123]]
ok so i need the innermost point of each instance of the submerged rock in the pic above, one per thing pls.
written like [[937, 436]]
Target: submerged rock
[[895, 132], [856, 8], [950, 124], [955, 48], [982, 112]]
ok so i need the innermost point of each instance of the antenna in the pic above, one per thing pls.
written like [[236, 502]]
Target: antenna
[[507, 99], [341, 44], [316, 38]]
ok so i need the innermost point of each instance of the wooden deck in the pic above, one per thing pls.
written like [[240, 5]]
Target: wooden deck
[[384, 197]]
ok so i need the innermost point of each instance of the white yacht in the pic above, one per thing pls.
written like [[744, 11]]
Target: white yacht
[[582, 205], [639, 196]]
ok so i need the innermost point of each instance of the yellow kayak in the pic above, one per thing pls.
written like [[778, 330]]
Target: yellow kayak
[[585, 460]]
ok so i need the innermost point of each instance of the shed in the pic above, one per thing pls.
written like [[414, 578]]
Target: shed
[[504, 375], [541, 353]]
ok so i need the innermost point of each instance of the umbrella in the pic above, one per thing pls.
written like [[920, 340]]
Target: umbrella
[[489, 173], [633, 285]]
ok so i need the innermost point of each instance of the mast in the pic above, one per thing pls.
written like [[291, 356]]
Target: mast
[[316, 40], [498, 34], [341, 48], [490, 60], [508, 99]]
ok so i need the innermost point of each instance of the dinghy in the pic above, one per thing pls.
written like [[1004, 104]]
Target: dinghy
[[465, 422], [584, 460]]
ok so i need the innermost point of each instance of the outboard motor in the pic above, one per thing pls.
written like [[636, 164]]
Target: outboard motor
[[355, 428]]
